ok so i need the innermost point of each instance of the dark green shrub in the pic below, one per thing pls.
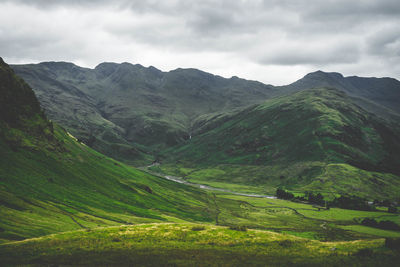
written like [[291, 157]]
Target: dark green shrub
[[285, 243], [198, 228], [392, 209], [238, 228], [392, 243], [385, 225], [369, 222], [364, 252], [388, 225], [352, 203], [282, 194]]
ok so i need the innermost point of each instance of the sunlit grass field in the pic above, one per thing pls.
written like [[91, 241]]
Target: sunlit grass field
[[190, 245]]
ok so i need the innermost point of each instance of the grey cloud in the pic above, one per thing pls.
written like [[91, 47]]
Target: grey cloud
[[353, 8], [323, 55], [207, 25], [136, 5], [385, 42], [213, 20], [309, 33], [47, 3]]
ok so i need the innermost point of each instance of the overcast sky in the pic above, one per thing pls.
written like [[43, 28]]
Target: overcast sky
[[273, 41]]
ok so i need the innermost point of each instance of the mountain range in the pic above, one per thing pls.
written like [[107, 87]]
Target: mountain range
[[129, 111], [62, 202], [126, 110], [322, 130]]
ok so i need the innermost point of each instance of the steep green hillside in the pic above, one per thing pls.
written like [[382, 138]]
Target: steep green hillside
[[46, 191], [293, 139], [126, 110], [50, 182]]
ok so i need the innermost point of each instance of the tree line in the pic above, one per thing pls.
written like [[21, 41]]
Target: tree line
[[343, 202]]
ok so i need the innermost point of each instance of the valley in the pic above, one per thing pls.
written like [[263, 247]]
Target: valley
[[226, 141], [200, 133]]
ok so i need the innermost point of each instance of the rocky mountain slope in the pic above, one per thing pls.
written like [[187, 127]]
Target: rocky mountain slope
[[131, 112], [125, 110]]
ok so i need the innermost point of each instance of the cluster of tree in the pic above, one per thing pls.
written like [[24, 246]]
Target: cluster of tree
[[282, 194], [315, 198], [386, 203], [392, 209], [343, 202], [385, 225], [308, 196], [352, 203], [383, 203]]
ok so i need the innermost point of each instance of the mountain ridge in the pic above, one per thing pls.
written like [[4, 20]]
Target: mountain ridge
[[138, 102], [132, 112], [384, 92]]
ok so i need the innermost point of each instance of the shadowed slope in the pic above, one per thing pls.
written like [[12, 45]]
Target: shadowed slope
[[317, 125]]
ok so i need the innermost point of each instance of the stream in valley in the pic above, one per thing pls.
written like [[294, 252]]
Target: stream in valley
[[207, 187]]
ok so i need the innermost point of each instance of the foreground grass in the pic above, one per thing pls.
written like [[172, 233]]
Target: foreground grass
[[190, 244]]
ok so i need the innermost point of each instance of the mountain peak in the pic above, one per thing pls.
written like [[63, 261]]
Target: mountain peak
[[59, 65], [322, 74]]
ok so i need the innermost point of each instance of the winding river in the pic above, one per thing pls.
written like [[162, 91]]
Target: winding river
[[207, 187]]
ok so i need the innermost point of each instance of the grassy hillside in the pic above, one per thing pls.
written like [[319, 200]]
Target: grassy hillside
[[50, 182], [191, 244], [294, 141], [378, 95], [46, 191]]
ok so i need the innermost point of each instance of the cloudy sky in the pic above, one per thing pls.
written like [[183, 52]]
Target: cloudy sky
[[273, 41]]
